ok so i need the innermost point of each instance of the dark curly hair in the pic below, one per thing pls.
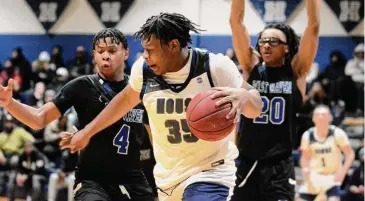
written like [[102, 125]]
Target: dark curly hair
[[167, 27]]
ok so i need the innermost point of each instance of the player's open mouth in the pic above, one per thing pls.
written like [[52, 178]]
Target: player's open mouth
[[153, 67], [267, 54], [105, 65]]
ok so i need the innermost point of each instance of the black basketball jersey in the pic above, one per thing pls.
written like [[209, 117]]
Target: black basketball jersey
[[112, 154], [271, 134]]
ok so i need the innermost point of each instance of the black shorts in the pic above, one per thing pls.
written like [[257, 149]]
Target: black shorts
[[269, 181], [88, 190]]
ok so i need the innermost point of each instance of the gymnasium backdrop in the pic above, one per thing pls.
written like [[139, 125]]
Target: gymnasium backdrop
[[37, 25]]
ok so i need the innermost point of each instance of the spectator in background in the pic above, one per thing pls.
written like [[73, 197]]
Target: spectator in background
[[37, 97], [57, 56], [355, 66], [43, 69], [80, 64], [313, 73], [232, 55], [10, 71], [355, 191], [25, 70], [30, 172], [61, 78], [52, 137], [48, 95], [64, 177], [336, 67], [13, 138], [355, 69], [316, 96]]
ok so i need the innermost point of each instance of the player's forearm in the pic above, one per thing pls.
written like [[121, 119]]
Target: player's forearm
[[348, 162], [240, 35], [237, 11], [312, 7], [115, 110], [252, 107], [26, 114], [304, 164]]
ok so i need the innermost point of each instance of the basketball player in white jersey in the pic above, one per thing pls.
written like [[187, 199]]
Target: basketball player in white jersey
[[321, 159], [168, 76]]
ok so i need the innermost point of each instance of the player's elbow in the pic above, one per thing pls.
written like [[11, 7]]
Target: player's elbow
[[235, 20], [313, 28], [38, 122]]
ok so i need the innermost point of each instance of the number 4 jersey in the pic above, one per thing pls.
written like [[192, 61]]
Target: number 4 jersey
[[112, 156], [178, 153], [271, 133]]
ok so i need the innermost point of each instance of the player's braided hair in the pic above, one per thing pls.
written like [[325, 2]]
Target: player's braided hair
[[292, 40], [115, 35], [167, 27]]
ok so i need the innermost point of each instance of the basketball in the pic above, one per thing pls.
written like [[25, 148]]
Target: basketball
[[205, 120]]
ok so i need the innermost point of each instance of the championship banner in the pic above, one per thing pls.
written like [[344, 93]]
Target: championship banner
[[110, 12], [275, 11], [48, 11], [349, 12]]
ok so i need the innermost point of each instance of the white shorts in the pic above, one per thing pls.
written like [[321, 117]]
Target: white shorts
[[321, 183], [223, 175]]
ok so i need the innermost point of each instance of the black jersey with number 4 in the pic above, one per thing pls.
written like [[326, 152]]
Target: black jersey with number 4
[[271, 133], [112, 154]]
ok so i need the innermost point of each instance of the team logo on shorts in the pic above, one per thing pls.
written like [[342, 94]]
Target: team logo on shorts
[[199, 80]]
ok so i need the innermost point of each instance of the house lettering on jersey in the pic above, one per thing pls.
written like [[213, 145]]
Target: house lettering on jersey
[[323, 150], [281, 87], [134, 116]]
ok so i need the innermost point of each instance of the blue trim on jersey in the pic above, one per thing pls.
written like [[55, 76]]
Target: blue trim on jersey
[[149, 74], [307, 197], [146, 71], [207, 68], [206, 191]]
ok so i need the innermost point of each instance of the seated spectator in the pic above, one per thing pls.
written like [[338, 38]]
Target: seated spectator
[[36, 99], [25, 70], [52, 136], [62, 77], [10, 71], [355, 69], [57, 57], [80, 64], [64, 178], [13, 138], [30, 173], [44, 71], [355, 191]]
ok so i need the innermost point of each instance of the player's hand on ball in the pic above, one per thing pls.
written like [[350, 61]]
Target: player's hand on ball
[[233, 96], [6, 94]]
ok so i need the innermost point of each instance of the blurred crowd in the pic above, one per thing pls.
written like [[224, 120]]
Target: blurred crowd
[[26, 153]]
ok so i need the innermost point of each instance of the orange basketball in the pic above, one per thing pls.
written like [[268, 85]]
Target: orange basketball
[[206, 120]]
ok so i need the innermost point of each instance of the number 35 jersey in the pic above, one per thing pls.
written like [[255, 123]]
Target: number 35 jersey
[[179, 154], [271, 133]]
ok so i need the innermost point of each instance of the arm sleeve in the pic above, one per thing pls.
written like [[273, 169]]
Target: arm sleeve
[[224, 72], [136, 78]]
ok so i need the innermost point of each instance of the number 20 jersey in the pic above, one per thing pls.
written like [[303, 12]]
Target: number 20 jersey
[[178, 153], [271, 133]]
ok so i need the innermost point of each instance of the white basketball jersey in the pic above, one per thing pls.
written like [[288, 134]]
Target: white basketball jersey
[[178, 153], [326, 157]]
